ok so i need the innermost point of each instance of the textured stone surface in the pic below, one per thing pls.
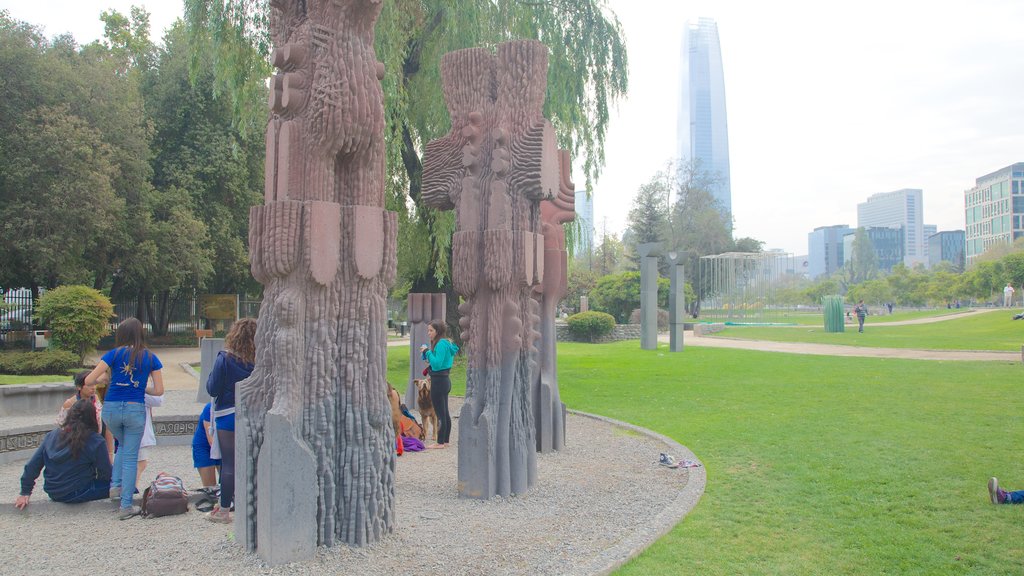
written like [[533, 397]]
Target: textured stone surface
[[548, 409], [208, 349], [493, 168], [422, 308], [324, 248]]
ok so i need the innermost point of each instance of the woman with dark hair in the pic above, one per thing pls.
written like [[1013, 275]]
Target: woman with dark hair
[[131, 365], [233, 364], [440, 355], [73, 460]]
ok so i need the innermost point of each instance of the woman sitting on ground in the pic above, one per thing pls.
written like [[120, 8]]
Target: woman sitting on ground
[[73, 460]]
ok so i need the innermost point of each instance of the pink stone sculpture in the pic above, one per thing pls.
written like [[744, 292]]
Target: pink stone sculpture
[[494, 167], [548, 410], [315, 445]]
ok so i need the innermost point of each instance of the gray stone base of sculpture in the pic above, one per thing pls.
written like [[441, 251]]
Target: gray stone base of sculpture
[[286, 488], [549, 437], [208, 349]]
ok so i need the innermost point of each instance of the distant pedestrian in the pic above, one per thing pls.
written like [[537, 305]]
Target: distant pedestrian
[[889, 306], [861, 311], [1008, 295]]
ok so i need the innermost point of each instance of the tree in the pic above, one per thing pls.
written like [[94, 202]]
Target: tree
[[863, 263], [587, 74], [608, 256], [648, 219], [78, 316], [59, 201], [619, 294]]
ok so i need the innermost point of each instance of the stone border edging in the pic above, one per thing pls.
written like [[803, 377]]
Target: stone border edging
[[613, 558]]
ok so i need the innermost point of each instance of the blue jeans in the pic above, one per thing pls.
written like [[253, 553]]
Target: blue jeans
[[97, 490], [126, 421], [1016, 497]]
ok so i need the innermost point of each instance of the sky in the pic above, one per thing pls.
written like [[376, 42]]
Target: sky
[[828, 103]]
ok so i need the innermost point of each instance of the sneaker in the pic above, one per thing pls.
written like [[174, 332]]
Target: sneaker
[[115, 494], [220, 516], [995, 493], [129, 512], [668, 461]]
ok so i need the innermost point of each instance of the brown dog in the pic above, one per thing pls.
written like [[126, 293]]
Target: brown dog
[[396, 410], [425, 407]]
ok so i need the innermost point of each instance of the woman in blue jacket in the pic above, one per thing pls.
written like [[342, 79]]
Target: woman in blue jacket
[[73, 460], [233, 364], [440, 355]]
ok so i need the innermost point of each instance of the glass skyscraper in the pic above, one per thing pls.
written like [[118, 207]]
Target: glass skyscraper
[[703, 130]]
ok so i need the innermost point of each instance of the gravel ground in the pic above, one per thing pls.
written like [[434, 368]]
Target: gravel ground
[[595, 504]]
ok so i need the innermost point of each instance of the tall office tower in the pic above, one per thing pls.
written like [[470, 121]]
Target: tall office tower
[[899, 209], [994, 210], [585, 217], [887, 242], [825, 250], [947, 247], [703, 130]]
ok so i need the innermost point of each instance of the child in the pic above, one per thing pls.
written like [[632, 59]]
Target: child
[[201, 460]]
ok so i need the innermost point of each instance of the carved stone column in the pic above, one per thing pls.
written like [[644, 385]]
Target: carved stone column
[[548, 409], [422, 308], [496, 165], [314, 441]]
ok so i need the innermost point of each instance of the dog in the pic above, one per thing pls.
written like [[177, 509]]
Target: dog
[[426, 408], [396, 410]]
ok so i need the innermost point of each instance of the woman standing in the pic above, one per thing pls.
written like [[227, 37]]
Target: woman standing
[[233, 364], [73, 460], [440, 355], [131, 365]]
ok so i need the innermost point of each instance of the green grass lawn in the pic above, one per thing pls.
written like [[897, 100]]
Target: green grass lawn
[[819, 465], [990, 331], [817, 319], [9, 379]]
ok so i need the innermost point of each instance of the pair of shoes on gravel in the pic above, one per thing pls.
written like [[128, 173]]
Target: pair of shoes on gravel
[[130, 512], [220, 516], [995, 493], [668, 461]]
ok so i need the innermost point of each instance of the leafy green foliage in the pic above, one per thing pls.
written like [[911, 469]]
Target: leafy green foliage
[[591, 325], [45, 362], [77, 316], [619, 294]]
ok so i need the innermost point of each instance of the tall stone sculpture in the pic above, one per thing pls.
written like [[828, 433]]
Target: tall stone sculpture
[[422, 308], [314, 442], [548, 410], [496, 165]]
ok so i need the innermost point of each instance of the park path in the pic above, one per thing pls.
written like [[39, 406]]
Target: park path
[[860, 351]]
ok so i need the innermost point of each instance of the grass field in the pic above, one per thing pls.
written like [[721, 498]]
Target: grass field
[[819, 465], [817, 319], [990, 331]]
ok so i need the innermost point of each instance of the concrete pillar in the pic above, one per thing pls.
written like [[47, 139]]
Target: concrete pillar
[[676, 302]]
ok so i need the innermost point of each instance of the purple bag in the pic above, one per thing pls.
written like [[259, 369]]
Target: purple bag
[[411, 444]]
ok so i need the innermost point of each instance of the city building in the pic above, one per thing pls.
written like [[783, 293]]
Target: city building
[[888, 244], [947, 247], [900, 209], [994, 210], [825, 250], [702, 128], [585, 221]]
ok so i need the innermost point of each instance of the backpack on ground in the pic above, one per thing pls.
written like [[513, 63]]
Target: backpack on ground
[[165, 496]]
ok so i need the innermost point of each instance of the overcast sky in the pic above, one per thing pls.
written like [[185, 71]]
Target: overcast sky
[[828, 103]]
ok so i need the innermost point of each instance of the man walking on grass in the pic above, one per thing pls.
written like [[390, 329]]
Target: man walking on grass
[[861, 311]]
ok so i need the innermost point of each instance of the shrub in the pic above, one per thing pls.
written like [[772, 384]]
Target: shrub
[[77, 317], [634, 318], [36, 363], [619, 294], [589, 326]]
